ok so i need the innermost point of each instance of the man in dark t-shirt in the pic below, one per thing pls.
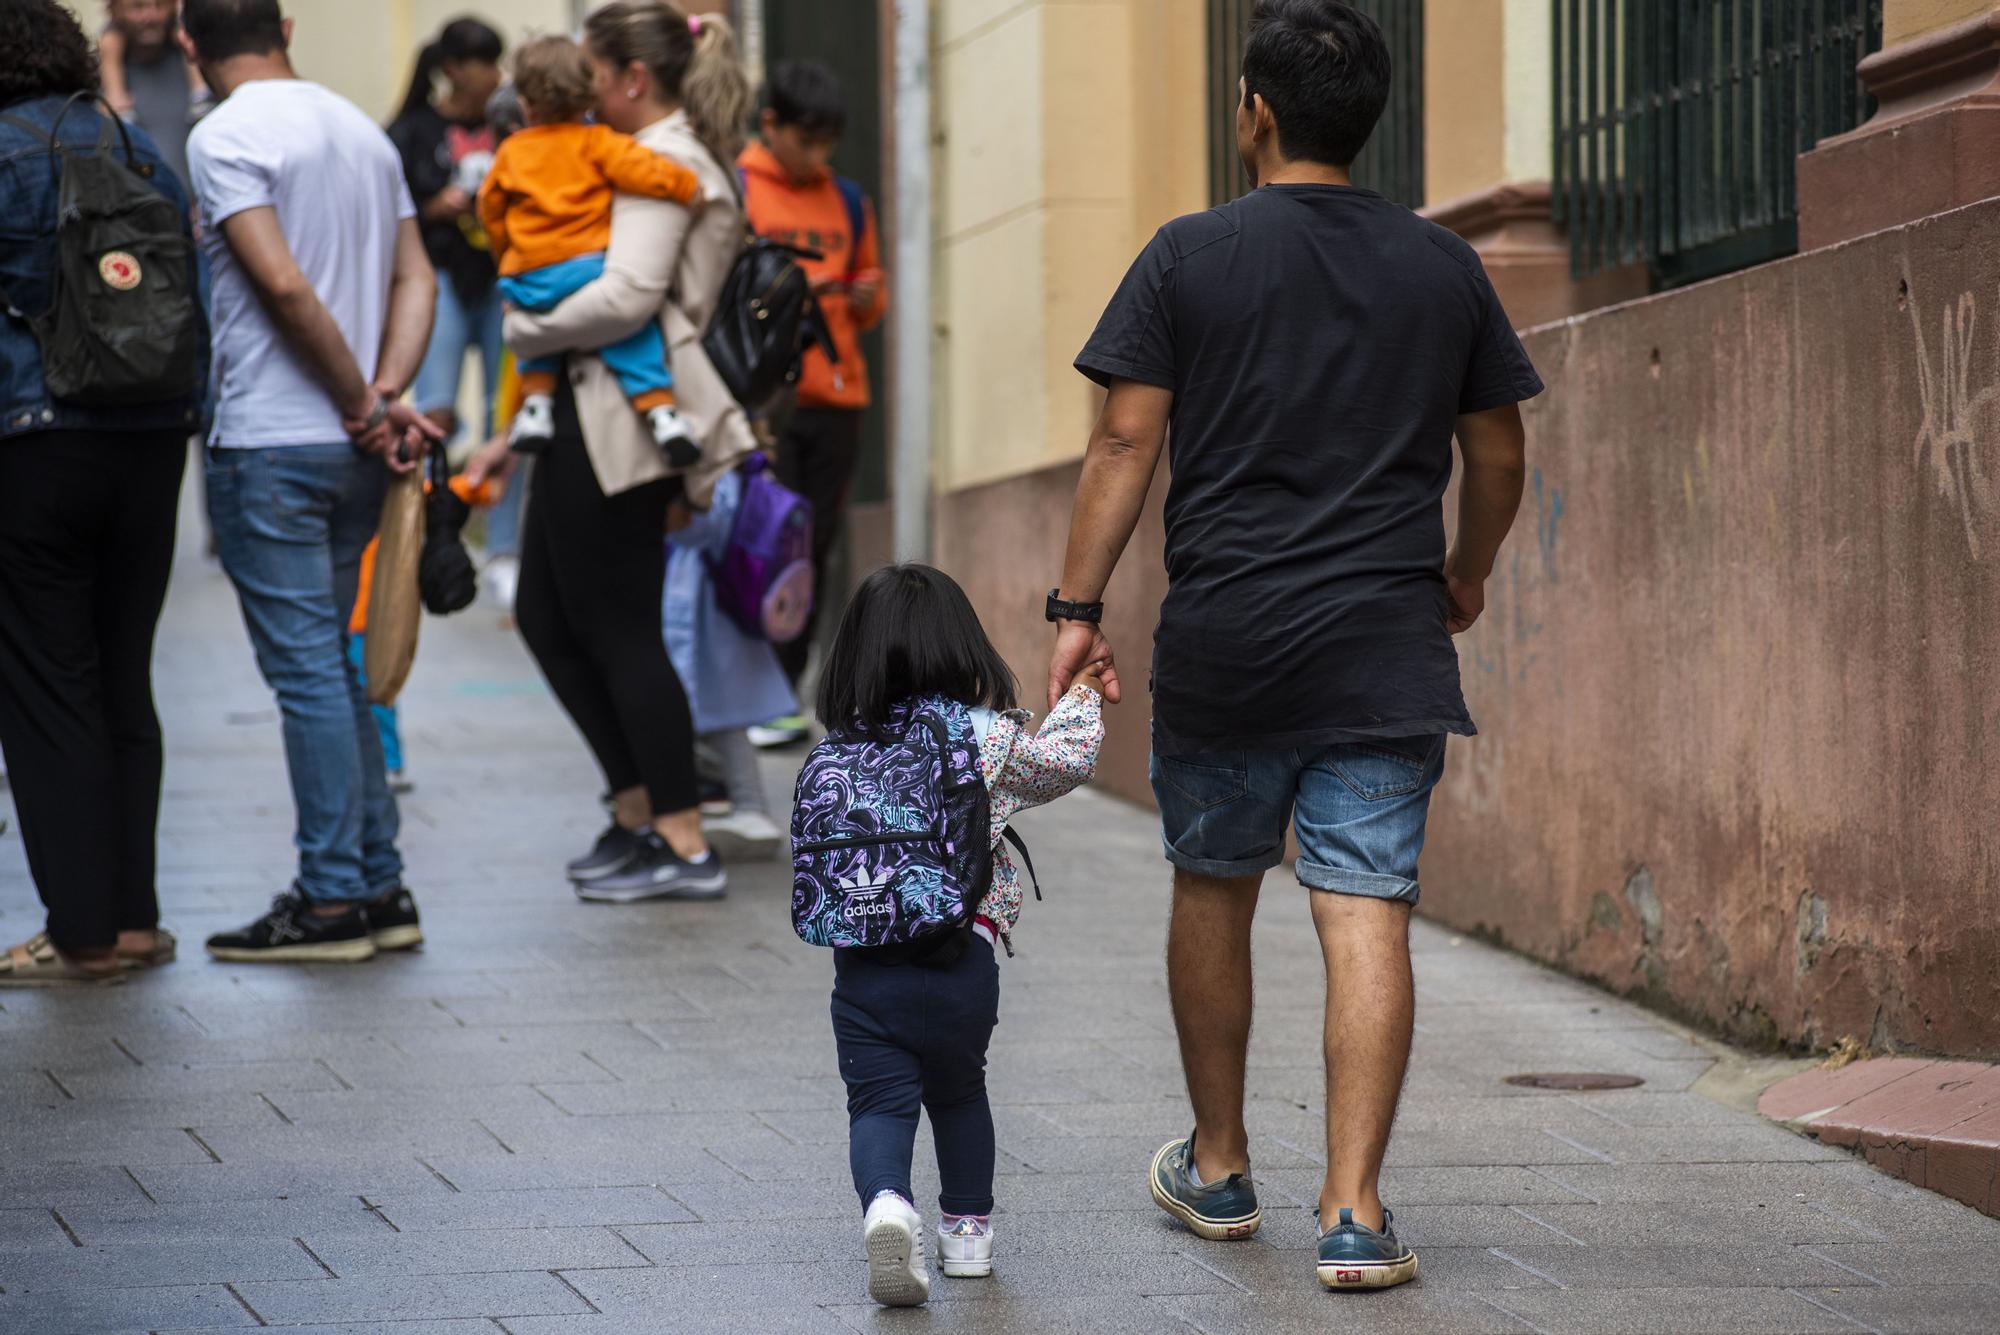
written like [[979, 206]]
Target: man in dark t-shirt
[[1314, 348]]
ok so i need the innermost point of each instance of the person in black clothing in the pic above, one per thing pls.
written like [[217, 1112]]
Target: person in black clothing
[[88, 496], [1316, 348], [447, 143]]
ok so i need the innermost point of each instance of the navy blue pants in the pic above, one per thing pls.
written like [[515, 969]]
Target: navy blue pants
[[911, 1035]]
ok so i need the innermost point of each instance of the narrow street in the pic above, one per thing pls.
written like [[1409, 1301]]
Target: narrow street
[[568, 1119]]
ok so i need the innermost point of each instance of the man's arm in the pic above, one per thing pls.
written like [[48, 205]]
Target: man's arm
[[1118, 469], [259, 245], [1494, 446], [412, 305]]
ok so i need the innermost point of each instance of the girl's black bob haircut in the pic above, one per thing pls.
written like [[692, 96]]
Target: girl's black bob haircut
[[909, 632]]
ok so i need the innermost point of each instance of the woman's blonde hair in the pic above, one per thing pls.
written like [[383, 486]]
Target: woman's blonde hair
[[694, 62]]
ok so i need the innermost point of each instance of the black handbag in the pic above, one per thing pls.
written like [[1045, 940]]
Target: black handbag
[[765, 319]]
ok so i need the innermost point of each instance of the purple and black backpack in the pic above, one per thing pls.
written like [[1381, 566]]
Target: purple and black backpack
[[891, 840]]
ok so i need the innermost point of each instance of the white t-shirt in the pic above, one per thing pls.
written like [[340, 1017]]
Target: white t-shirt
[[337, 185]]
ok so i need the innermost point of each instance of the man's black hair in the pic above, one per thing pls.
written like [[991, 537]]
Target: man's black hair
[[806, 94], [224, 28], [43, 51], [1323, 67], [909, 632]]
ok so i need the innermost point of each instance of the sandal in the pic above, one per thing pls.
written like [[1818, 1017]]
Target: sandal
[[163, 952], [37, 963]]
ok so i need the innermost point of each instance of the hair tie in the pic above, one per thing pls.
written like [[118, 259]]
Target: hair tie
[[694, 24]]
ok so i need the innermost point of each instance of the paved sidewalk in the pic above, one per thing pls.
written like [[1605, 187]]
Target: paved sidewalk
[[562, 1119]]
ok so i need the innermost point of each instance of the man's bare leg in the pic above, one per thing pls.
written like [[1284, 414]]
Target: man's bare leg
[[1208, 977], [1370, 1007]]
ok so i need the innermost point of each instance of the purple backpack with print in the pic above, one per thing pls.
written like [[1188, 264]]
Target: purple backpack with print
[[892, 836], [764, 577]]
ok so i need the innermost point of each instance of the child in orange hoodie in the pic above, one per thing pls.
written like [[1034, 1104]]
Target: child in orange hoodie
[[546, 205], [792, 195]]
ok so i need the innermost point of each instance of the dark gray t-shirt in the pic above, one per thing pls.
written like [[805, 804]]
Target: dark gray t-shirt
[[1319, 341], [160, 105]]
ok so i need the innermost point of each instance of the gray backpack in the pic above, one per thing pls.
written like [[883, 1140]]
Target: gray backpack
[[122, 327]]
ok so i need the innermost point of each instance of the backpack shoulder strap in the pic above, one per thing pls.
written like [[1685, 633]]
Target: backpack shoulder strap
[[857, 219], [1027, 862], [22, 123]]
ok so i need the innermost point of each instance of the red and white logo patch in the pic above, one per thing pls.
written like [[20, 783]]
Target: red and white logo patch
[[120, 269], [1347, 1276]]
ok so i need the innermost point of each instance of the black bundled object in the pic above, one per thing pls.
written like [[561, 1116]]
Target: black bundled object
[[765, 319], [445, 576]]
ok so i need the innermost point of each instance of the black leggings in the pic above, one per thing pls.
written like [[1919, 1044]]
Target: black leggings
[[593, 568], [86, 543]]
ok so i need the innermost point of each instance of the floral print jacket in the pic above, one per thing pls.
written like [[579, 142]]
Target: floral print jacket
[[1029, 769]]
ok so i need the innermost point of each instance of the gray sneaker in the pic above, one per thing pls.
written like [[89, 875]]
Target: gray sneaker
[[612, 852], [1355, 1256], [655, 871], [1218, 1210]]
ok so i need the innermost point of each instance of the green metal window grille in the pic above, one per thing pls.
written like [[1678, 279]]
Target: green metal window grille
[[1678, 125], [1392, 162]]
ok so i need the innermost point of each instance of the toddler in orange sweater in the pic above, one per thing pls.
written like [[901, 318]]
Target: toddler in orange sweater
[[546, 205]]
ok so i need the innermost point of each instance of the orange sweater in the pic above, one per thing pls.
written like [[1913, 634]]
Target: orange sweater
[[547, 197], [814, 216]]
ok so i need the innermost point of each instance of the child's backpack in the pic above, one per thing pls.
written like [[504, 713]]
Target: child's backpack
[[891, 840], [123, 327], [764, 577]]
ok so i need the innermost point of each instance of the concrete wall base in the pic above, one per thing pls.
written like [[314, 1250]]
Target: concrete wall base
[[1932, 145], [1527, 255]]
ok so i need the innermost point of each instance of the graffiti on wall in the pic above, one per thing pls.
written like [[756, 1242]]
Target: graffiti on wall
[[1950, 441]]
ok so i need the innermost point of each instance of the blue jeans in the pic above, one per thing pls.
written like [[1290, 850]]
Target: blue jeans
[[386, 725], [1359, 809], [913, 1036], [290, 526], [458, 328], [638, 361]]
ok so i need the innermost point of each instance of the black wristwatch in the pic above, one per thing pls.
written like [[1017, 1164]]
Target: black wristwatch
[[1059, 610]]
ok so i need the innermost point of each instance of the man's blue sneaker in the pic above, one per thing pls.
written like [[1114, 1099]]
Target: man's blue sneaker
[[1218, 1210], [1355, 1256]]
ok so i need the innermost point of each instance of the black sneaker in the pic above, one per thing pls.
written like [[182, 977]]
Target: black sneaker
[[613, 850], [292, 933], [657, 872], [392, 921]]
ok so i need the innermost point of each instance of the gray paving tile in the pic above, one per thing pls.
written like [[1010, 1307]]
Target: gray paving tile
[[1025, 1316], [1750, 1311], [99, 1144], [800, 1320], [23, 1185], [1740, 1224], [1939, 1310], [553, 1207], [128, 1265], [1908, 1263], [94, 1311], [664, 1166], [24, 1229], [473, 1251], [1670, 1267], [1411, 1308], [129, 1224], [260, 1179], [422, 1297]]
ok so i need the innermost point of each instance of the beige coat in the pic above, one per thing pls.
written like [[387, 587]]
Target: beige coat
[[664, 263]]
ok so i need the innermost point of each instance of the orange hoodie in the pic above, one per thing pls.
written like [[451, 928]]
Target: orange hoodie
[[815, 216], [547, 197]]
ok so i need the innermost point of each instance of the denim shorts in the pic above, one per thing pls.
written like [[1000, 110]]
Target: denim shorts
[[1359, 809]]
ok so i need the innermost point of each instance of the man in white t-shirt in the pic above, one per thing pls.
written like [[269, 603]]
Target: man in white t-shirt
[[321, 308]]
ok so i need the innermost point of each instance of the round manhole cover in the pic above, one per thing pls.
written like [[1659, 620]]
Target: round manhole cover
[[1575, 1080]]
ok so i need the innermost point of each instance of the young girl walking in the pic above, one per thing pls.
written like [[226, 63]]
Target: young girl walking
[[912, 1031]]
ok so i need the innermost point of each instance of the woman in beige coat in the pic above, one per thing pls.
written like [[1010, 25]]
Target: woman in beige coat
[[592, 559]]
